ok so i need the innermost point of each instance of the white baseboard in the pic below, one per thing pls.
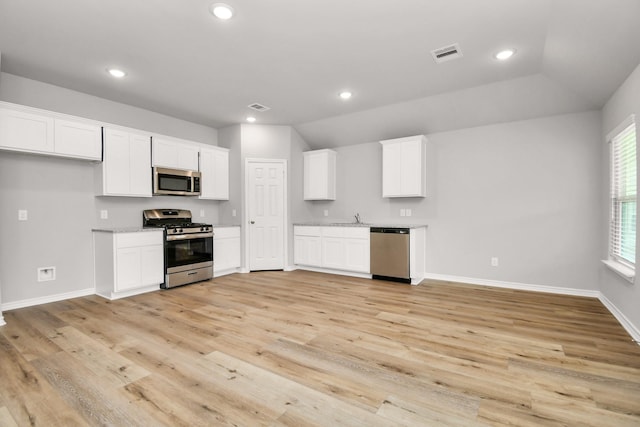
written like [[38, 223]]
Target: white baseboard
[[626, 324], [47, 299], [124, 294], [331, 271], [226, 272], [514, 285]]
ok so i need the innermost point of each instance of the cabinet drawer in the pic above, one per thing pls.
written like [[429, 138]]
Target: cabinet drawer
[[226, 232], [356, 232], [304, 230], [333, 231], [143, 238]]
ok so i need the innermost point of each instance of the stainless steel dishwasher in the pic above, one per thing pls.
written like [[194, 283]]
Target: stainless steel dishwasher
[[390, 253]]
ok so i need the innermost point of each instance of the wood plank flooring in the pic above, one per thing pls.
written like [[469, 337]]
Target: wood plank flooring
[[302, 348]]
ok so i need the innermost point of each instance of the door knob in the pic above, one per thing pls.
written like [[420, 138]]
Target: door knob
[[252, 222]]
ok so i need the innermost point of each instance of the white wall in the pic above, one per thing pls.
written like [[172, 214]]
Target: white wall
[[526, 192], [624, 295], [60, 198]]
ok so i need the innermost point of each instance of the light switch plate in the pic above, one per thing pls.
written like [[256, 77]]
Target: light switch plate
[[201, 213], [403, 212], [104, 214], [408, 212], [23, 215]]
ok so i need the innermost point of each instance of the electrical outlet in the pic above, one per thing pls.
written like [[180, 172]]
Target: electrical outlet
[[494, 261], [23, 215], [233, 212], [46, 274], [104, 214], [201, 213], [403, 212], [408, 212], [326, 212]]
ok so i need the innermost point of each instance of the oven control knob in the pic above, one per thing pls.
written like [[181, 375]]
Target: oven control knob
[[179, 230], [204, 228]]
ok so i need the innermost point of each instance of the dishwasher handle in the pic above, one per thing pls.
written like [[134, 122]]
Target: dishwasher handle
[[389, 230]]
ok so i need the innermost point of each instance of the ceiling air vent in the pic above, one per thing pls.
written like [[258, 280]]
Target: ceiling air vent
[[446, 53], [259, 107]]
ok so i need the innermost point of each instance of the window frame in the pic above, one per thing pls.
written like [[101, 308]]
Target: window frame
[[615, 260]]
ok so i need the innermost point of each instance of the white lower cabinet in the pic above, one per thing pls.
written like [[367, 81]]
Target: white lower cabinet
[[337, 248], [128, 263], [226, 250], [356, 254], [307, 246]]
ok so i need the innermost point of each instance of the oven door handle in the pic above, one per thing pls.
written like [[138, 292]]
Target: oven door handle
[[189, 236]]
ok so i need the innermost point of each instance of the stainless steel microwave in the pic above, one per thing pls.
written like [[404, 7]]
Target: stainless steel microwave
[[175, 182]]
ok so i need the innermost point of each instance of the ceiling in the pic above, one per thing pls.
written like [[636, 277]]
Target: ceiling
[[296, 57]]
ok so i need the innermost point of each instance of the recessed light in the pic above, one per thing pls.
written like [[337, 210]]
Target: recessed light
[[345, 95], [221, 11], [251, 119], [505, 54], [116, 73]]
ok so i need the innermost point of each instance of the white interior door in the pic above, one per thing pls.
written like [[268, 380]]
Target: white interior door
[[266, 202]]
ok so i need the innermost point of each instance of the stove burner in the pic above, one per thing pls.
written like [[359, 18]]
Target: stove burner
[[176, 220]]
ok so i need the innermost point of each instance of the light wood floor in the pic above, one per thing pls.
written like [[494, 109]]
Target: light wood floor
[[302, 348]]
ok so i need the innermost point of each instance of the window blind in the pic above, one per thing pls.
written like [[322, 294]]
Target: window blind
[[622, 236]]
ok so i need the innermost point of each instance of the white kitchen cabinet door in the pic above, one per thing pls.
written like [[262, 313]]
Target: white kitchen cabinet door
[[320, 175], [357, 249], [151, 265], [26, 131], [308, 251], [140, 165], [77, 139], [128, 269], [214, 167], [404, 167], [116, 164], [307, 246], [126, 168], [175, 154], [226, 250], [333, 252]]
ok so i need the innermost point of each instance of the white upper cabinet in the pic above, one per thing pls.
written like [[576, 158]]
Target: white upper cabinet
[[26, 131], [404, 167], [214, 167], [77, 139], [43, 132], [175, 154], [320, 175], [126, 169]]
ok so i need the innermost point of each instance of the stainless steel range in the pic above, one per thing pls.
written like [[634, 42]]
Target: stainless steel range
[[188, 246]]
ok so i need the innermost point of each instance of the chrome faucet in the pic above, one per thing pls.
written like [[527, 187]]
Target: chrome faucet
[[358, 220]]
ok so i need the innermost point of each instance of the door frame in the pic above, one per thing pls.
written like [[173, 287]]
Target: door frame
[[245, 212]]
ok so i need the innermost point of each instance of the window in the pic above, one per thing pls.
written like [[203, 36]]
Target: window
[[622, 235]]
